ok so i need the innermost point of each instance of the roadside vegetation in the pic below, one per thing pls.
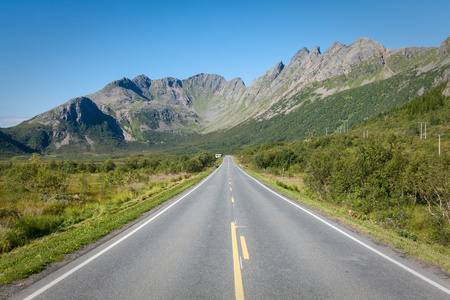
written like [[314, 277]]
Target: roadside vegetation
[[382, 173], [50, 208]]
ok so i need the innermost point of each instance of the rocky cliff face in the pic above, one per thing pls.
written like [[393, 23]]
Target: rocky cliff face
[[446, 92], [133, 109], [444, 49], [79, 111]]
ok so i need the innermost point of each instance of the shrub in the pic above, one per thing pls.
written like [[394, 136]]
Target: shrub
[[36, 226], [108, 165], [193, 165]]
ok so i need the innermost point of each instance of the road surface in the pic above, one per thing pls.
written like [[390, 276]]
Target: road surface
[[231, 237]]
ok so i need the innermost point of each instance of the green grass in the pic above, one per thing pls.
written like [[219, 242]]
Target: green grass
[[38, 254]]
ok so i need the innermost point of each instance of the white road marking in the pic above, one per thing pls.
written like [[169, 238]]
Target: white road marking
[[426, 279]]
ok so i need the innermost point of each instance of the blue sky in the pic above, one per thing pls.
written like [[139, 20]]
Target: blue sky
[[52, 51]]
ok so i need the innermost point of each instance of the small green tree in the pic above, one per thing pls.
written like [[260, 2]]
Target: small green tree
[[108, 166], [193, 165], [132, 163], [70, 167], [36, 159], [49, 182], [83, 185]]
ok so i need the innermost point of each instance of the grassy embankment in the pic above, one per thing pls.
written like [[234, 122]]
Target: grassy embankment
[[57, 210]]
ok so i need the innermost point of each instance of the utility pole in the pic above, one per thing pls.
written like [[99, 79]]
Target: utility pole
[[439, 143], [344, 127], [421, 131], [425, 130], [326, 131], [365, 134]]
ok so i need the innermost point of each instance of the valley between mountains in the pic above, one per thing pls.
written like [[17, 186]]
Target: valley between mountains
[[315, 93]]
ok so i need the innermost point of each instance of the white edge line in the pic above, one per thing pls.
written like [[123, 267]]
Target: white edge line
[[435, 284], [49, 285]]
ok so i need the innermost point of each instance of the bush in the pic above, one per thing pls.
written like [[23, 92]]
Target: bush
[[107, 166], [440, 229], [37, 226], [28, 228], [193, 165]]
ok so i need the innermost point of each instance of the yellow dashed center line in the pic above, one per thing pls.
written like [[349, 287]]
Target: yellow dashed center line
[[244, 248], [238, 287]]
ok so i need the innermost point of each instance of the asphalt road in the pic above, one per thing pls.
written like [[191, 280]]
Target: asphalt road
[[233, 238]]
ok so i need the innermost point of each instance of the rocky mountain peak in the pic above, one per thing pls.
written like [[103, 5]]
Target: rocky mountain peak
[[335, 48], [125, 83], [268, 77], [171, 82], [79, 110], [300, 55], [364, 40], [364, 44], [233, 89], [444, 49], [364, 48], [315, 51], [238, 81], [208, 82], [275, 71], [142, 82]]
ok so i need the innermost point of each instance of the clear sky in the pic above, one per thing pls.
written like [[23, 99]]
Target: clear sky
[[54, 50]]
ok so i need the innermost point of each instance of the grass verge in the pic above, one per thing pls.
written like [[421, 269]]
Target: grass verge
[[434, 254], [37, 255]]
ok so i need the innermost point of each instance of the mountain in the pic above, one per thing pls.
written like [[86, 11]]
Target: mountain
[[313, 93]]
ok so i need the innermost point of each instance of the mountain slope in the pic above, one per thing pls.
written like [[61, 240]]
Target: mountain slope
[[314, 91], [10, 147]]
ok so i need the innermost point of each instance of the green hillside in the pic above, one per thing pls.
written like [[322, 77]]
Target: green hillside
[[10, 147]]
